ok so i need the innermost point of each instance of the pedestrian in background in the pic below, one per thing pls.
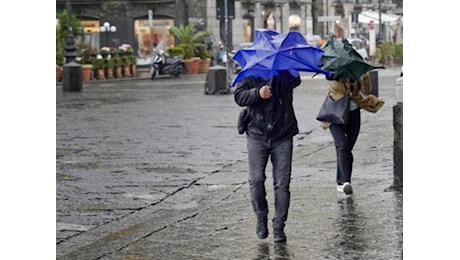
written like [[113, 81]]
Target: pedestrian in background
[[346, 135], [270, 126]]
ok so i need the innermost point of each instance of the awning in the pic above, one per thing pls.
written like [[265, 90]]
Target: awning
[[367, 16]]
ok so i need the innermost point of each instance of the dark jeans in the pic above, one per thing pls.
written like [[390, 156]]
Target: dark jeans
[[280, 153], [345, 137]]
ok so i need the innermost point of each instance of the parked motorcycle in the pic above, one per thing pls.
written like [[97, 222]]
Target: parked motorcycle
[[163, 64]]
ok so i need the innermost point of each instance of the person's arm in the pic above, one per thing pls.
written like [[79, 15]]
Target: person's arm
[[293, 82], [247, 93]]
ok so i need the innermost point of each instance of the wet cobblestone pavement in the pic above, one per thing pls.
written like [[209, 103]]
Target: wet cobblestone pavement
[[157, 170]]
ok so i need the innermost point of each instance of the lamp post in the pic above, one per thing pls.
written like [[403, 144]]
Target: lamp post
[[380, 35], [107, 28], [72, 79]]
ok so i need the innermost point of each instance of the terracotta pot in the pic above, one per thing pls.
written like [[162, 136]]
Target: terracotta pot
[[195, 65], [133, 70], [204, 66], [118, 73], [86, 70], [58, 73], [127, 71], [100, 74], [188, 66], [109, 74]]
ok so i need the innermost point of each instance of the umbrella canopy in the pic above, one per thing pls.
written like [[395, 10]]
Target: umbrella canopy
[[273, 52], [261, 45], [342, 60]]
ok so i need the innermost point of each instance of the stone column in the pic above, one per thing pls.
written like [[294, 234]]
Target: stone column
[[282, 17], [308, 19], [303, 16], [258, 16]]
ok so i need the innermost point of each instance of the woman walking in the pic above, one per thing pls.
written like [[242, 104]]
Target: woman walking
[[346, 135]]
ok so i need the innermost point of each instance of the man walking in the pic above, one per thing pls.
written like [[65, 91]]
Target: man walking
[[270, 127]]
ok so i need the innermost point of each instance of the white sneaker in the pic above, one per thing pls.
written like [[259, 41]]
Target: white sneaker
[[345, 188]]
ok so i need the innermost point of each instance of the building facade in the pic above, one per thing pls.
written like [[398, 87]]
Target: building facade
[[144, 24]]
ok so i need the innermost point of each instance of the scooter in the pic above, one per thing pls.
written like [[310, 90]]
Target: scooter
[[222, 60], [163, 64]]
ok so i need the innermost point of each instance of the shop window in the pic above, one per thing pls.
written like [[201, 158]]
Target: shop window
[[90, 33], [155, 37]]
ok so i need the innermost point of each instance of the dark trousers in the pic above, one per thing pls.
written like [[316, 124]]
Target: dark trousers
[[280, 153], [345, 137]]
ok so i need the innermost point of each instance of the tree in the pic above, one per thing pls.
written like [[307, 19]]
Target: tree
[[61, 29]]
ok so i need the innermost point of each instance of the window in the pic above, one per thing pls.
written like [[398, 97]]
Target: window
[[90, 33], [156, 36]]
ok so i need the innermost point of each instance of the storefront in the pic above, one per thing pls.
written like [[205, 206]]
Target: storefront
[[153, 37]]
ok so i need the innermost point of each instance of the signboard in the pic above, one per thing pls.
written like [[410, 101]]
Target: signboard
[[328, 18]]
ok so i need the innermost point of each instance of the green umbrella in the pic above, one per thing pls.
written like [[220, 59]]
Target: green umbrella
[[342, 60]]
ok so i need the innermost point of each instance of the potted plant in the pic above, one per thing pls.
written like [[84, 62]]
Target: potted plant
[[388, 50], [176, 51], [100, 67], [126, 66], [125, 51], [398, 54], [110, 62], [118, 63], [59, 63], [188, 37], [105, 51], [133, 62], [187, 58], [205, 58], [86, 62]]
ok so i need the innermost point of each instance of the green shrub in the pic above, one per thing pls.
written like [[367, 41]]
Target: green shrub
[[388, 50], [59, 58], [126, 61], [398, 51], [117, 61], [176, 51], [100, 63], [111, 63], [188, 36], [201, 51], [133, 59], [189, 52]]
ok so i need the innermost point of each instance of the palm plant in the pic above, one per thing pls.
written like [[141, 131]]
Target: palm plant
[[187, 35]]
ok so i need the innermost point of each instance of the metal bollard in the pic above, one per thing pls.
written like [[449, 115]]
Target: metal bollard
[[398, 136], [216, 81], [72, 77], [398, 145]]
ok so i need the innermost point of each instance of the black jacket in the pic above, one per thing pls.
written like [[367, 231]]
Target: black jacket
[[272, 118]]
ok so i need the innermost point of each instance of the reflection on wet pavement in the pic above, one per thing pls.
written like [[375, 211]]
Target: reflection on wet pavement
[[276, 251], [350, 226]]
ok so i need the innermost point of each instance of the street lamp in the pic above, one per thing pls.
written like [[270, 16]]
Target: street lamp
[[380, 35], [72, 79], [107, 28]]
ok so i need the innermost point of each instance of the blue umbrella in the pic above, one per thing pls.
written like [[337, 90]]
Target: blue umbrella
[[274, 52], [261, 45]]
